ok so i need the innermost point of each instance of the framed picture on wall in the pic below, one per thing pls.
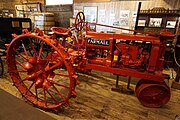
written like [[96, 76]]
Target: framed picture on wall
[[141, 22], [90, 13], [155, 22], [171, 24], [30, 8]]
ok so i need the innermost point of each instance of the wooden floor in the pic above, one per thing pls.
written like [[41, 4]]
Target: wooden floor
[[96, 100], [13, 108]]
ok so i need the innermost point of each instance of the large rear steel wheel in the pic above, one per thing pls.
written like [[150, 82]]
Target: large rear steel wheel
[[45, 77]]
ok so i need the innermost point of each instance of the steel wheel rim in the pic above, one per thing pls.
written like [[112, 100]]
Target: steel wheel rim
[[153, 95], [79, 21], [141, 81], [26, 90]]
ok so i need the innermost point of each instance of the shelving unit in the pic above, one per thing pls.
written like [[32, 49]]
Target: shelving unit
[[155, 20]]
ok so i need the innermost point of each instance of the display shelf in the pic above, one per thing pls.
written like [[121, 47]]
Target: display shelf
[[155, 20]]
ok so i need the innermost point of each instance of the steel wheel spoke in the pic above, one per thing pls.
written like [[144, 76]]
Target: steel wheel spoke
[[64, 75], [54, 66], [52, 96], [23, 80], [36, 92], [32, 60], [32, 46], [45, 96], [19, 63], [17, 71], [59, 93], [58, 84], [20, 54], [29, 87], [40, 51], [24, 48]]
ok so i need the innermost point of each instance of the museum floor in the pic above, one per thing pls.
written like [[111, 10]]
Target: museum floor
[[95, 100]]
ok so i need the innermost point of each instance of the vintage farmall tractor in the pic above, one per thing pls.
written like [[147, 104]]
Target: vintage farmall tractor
[[43, 67]]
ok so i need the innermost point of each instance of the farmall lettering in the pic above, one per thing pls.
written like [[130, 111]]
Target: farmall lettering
[[48, 63], [98, 42]]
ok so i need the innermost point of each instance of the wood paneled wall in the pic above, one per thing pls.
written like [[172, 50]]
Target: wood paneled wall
[[131, 5], [112, 9], [171, 4], [81, 1], [114, 6]]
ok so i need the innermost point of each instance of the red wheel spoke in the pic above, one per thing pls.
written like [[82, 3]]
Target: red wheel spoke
[[40, 51], [64, 75], [17, 71], [19, 64], [45, 96], [58, 84], [32, 46], [24, 48], [59, 93], [23, 80], [30, 87], [54, 66], [20, 54], [52, 96], [32, 60], [49, 56], [36, 92]]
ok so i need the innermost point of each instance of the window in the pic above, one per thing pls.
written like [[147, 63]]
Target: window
[[15, 24], [58, 2]]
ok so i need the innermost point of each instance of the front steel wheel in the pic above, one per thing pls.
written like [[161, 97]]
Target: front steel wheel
[[152, 94], [45, 77]]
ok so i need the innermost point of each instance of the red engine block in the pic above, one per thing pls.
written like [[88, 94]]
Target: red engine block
[[131, 55]]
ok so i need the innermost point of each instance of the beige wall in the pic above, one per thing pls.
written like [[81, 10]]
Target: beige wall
[[110, 7], [131, 5], [146, 4], [171, 4]]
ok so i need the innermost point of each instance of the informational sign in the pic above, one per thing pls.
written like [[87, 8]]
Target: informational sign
[[124, 13], [90, 13]]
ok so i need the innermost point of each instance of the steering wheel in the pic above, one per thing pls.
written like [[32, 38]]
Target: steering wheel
[[79, 21]]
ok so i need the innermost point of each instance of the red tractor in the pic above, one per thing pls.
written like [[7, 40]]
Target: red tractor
[[43, 67]]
